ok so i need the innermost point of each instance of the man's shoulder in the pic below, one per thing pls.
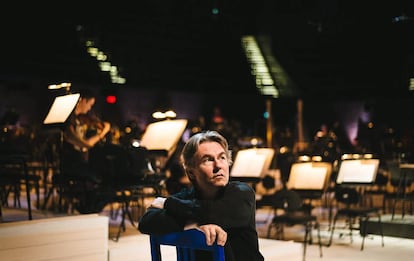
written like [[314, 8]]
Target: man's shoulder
[[239, 185], [185, 193]]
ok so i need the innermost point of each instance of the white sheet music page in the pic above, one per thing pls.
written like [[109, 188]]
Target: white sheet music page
[[61, 108], [358, 171], [308, 176], [252, 162], [163, 135]]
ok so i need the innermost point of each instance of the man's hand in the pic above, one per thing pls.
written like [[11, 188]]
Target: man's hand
[[158, 202], [213, 233]]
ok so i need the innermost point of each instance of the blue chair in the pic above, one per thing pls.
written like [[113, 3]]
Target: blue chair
[[186, 243]]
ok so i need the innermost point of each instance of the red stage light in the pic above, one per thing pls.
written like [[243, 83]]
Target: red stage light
[[111, 99]]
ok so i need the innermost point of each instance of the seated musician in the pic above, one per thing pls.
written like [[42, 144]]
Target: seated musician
[[85, 185]]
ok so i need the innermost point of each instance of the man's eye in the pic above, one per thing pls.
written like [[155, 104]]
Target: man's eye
[[207, 160]]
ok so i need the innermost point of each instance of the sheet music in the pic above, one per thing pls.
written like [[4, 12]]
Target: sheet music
[[61, 108], [358, 171], [252, 162], [309, 176], [163, 135]]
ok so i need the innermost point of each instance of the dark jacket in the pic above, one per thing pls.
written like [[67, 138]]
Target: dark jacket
[[234, 210]]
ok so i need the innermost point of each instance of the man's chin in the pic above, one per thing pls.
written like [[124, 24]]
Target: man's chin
[[221, 183]]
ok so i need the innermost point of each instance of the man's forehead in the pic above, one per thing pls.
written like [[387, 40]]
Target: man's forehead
[[210, 148]]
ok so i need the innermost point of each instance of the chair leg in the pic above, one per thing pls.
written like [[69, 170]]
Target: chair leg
[[350, 221], [128, 213], [124, 212], [279, 233], [47, 197], [308, 238], [113, 213], [60, 197], [305, 241], [332, 230], [122, 224], [269, 228], [318, 230], [17, 202], [364, 232], [37, 190], [381, 230]]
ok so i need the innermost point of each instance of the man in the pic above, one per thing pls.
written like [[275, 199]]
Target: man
[[224, 210]]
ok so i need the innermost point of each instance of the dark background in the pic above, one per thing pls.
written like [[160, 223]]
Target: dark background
[[335, 52], [327, 47]]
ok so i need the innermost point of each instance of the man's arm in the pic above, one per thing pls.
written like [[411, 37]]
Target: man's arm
[[156, 221], [236, 207], [72, 137]]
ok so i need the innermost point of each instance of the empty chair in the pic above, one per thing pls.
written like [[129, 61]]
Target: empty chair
[[378, 188], [187, 243], [14, 173], [293, 213], [352, 210], [401, 181], [394, 194], [114, 164]]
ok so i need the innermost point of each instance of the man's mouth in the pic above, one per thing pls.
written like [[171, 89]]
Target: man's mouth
[[218, 176]]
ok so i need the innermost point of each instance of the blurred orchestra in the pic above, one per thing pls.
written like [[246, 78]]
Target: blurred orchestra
[[162, 172]]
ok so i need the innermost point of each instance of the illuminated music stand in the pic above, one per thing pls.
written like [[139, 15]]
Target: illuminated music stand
[[162, 138], [61, 108], [251, 165], [358, 172], [309, 179], [58, 114]]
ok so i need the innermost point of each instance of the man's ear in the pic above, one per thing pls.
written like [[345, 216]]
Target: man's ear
[[190, 174]]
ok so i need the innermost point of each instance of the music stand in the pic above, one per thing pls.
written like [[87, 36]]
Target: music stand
[[358, 172], [58, 113], [61, 108], [309, 179], [162, 137], [251, 165]]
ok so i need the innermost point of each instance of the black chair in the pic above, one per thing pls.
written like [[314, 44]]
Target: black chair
[[294, 212], [401, 183], [125, 174], [394, 193], [186, 243], [378, 188], [112, 163], [349, 197], [63, 188], [14, 173]]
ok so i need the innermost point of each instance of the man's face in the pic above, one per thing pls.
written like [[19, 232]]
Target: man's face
[[211, 170]]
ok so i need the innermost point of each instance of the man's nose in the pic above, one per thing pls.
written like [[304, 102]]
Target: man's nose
[[217, 165], [216, 168]]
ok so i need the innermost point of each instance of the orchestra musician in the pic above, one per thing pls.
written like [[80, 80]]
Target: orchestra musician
[[81, 133], [85, 130]]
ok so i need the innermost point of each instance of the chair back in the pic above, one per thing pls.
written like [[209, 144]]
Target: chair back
[[346, 195], [186, 244], [119, 166], [288, 200]]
